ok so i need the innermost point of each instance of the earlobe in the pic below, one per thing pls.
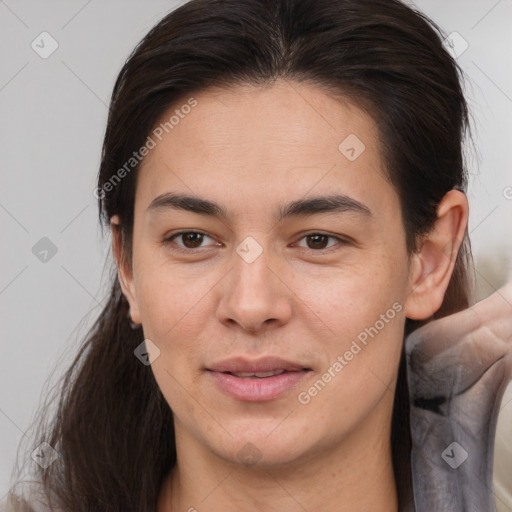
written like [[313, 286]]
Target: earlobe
[[432, 266], [124, 272]]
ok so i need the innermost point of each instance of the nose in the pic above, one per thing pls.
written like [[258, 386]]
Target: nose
[[255, 294]]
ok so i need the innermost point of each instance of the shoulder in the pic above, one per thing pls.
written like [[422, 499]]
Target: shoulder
[[14, 503], [27, 495]]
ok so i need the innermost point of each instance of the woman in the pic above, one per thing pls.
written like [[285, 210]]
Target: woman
[[315, 148]]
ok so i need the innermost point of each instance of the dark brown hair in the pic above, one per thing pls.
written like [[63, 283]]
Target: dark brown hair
[[113, 428]]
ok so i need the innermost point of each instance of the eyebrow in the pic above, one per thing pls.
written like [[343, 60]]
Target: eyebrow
[[336, 203]]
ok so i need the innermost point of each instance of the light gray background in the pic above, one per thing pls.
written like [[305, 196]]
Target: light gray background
[[53, 113]]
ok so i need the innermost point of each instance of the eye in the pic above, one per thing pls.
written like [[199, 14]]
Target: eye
[[317, 241], [192, 240]]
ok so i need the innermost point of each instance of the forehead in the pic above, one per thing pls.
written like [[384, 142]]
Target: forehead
[[256, 144]]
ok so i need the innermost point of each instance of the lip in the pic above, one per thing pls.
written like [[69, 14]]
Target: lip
[[256, 389], [264, 364]]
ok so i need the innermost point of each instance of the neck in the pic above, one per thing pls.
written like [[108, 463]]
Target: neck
[[354, 475]]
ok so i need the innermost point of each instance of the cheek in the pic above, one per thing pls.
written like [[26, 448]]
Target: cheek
[[171, 312], [353, 297], [362, 353], [174, 310], [364, 309], [169, 300]]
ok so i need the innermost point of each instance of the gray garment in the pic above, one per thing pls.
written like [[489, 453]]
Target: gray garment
[[458, 370]]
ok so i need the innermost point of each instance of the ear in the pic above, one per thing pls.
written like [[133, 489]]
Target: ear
[[432, 266], [124, 270]]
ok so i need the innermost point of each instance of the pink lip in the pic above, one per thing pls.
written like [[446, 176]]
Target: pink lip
[[257, 389], [264, 364]]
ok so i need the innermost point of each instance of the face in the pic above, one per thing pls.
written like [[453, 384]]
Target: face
[[315, 293]]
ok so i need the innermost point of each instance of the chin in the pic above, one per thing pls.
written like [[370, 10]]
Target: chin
[[262, 446]]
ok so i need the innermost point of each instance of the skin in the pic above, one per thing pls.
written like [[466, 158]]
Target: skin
[[251, 149]]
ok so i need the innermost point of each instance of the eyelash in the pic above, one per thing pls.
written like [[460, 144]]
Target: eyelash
[[169, 240]]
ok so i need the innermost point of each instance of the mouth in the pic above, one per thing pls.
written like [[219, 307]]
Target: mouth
[[257, 381], [260, 375]]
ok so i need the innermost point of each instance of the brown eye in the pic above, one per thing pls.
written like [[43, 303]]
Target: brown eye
[[318, 241], [190, 240]]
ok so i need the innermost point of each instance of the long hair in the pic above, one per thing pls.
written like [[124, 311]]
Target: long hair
[[112, 427]]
